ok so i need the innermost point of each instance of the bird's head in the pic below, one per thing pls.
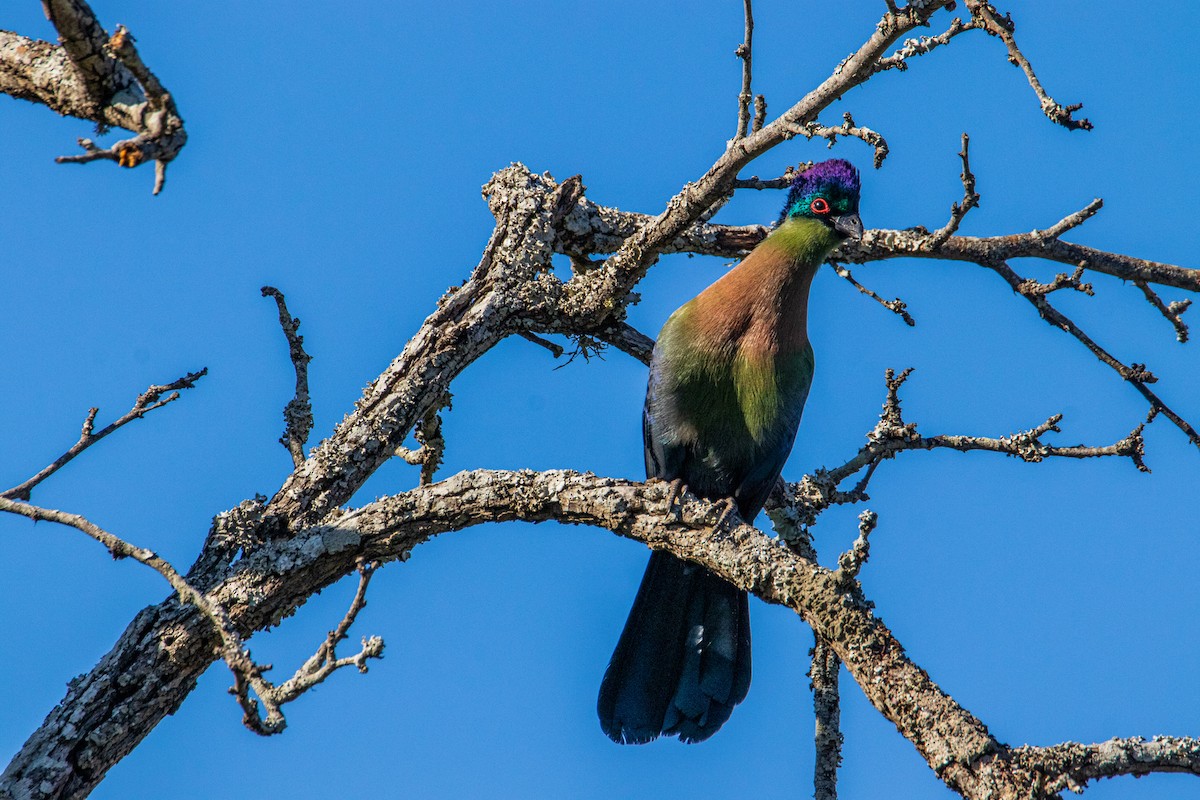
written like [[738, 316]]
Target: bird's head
[[827, 192]]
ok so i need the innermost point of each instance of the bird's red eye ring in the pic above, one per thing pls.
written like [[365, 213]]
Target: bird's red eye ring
[[819, 205]]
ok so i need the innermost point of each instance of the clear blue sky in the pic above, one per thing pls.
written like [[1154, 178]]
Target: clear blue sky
[[336, 151]]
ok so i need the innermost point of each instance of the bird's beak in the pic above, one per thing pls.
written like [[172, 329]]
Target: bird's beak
[[849, 225]]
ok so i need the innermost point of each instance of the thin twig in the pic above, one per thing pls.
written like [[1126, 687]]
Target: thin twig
[[235, 656], [782, 182], [122, 45], [161, 120], [745, 53], [247, 674], [985, 17], [1061, 281], [297, 414], [760, 112], [556, 350], [896, 306], [847, 128], [1173, 312], [958, 210], [153, 398], [314, 671], [1071, 220]]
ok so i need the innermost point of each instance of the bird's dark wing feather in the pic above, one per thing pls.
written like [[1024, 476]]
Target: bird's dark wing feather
[[663, 461]]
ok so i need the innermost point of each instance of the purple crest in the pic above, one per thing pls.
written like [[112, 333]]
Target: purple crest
[[835, 176]]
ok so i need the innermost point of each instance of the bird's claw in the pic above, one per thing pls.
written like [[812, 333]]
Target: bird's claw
[[727, 506], [676, 489]]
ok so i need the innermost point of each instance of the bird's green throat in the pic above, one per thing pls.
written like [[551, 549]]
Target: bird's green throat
[[803, 240]]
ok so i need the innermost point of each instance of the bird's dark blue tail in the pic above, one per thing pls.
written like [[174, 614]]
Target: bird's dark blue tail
[[683, 660]]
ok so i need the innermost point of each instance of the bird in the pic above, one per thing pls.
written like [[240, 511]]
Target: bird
[[729, 375]]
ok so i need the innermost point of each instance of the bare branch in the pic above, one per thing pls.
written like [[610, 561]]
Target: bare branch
[[986, 17], [246, 672], [297, 414], [950, 739], [1135, 374], [599, 229], [556, 350], [797, 506], [745, 53], [851, 562], [782, 182], [827, 706], [313, 672], [84, 41], [122, 45], [1071, 766], [1173, 312], [958, 211], [153, 398], [159, 126], [325, 661], [97, 78], [922, 45], [433, 445], [629, 340], [847, 128], [1061, 281], [232, 647], [896, 306], [1072, 220]]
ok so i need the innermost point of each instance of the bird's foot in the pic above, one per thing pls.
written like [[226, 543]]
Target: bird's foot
[[676, 489], [728, 506]]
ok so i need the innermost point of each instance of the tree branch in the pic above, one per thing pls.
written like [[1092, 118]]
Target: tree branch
[[1135, 374], [594, 229], [823, 675], [848, 128], [798, 505], [297, 414], [153, 398], [94, 77], [986, 17], [1072, 766], [1173, 312], [896, 306], [922, 45], [745, 53], [958, 211]]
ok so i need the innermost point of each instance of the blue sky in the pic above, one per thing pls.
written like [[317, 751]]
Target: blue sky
[[336, 151]]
